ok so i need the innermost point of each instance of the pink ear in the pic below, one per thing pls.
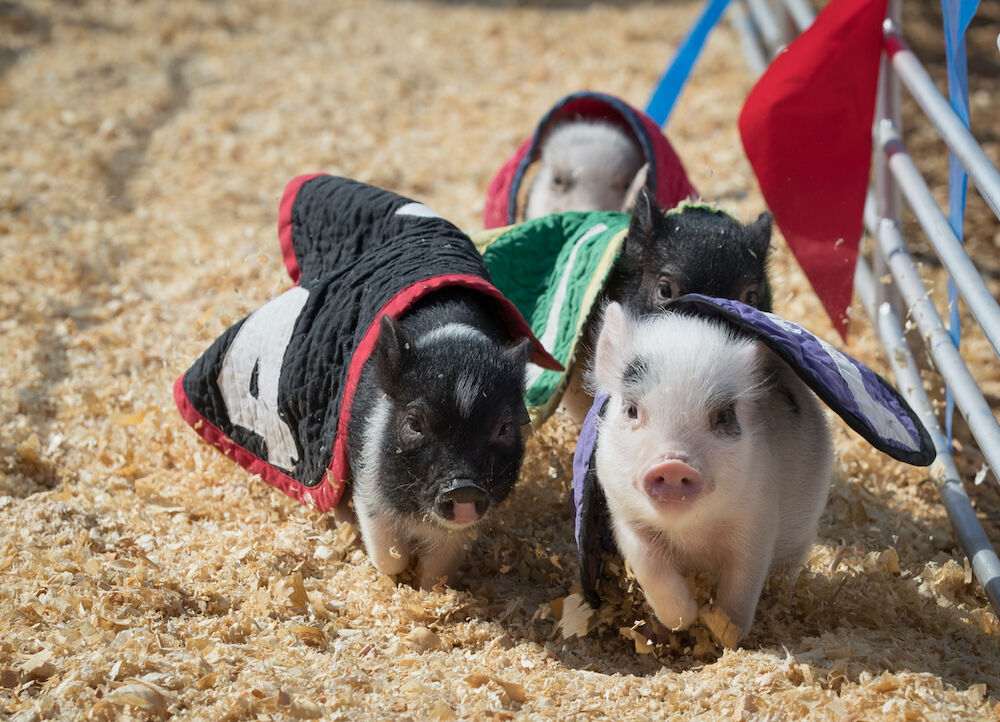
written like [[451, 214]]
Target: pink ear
[[616, 333], [637, 184]]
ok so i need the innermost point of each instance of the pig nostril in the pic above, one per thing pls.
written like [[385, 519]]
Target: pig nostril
[[447, 509], [672, 481]]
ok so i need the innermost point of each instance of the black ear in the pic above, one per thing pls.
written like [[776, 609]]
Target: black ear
[[647, 219], [390, 349], [519, 353], [521, 415], [759, 233]]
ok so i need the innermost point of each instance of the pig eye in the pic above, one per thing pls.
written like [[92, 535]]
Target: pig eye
[[666, 289], [632, 411], [412, 429], [724, 422], [504, 430], [751, 297], [558, 181]]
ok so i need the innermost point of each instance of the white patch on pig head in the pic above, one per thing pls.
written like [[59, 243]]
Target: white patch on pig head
[[449, 330], [467, 391]]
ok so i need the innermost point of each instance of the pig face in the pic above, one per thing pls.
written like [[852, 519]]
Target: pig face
[[691, 250], [682, 417], [586, 166], [451, 418]]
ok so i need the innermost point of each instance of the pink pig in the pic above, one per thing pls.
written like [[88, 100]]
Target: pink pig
[[586, 166], [712, 454]]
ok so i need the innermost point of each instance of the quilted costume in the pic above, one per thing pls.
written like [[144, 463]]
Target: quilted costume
[[553, 270], [667, 180], [862, 398], [274, 391]]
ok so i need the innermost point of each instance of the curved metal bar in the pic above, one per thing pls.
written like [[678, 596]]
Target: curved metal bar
[[802, 14], [958, 138], [764, 18], [949, 363], [743, 25], [949, 249], [971, 535]]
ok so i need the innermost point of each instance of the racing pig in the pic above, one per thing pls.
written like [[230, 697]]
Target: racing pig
[[586, 166], [712, 455], [435, 442]]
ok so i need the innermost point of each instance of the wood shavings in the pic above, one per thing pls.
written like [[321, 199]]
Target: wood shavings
[[423, 639], [144, 575], [574, 621], [722, 629]]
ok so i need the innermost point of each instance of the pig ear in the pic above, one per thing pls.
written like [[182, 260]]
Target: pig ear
[[520, 352], [760, 234], [645, 227], [389, 351], [609, 359], [521, 415], [637, 185]]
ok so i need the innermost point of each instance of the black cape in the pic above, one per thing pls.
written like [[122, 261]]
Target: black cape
[[274, 391]]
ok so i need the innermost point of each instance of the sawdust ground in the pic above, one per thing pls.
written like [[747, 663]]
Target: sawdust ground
[[142, 574]]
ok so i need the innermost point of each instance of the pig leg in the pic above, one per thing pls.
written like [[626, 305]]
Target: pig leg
[[440, 560], [665, 587], [740, 585], [576, 401], [386, 547], [343, 513]]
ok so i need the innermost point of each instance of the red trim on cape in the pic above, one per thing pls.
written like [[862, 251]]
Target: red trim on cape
[[285, 223]]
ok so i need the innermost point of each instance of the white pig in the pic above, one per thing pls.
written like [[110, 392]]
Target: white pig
[[586, 166], [712, 454]]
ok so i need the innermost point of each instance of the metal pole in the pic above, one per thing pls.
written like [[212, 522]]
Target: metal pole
[[753, 52], [970, 533], [961, 142], [767, 23], [949, 249], [949, 363], [888, 108], [800, 12]]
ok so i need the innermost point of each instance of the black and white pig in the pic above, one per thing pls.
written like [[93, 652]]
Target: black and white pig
[[435, 443], [712, 455], [586, 165], [692, 249]]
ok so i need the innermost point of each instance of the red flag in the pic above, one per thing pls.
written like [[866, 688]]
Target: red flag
[[806, 127]]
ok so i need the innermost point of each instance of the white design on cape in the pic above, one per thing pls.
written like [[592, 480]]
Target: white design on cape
[[261, 343], [882, 420], [416, 209], [551, 331]]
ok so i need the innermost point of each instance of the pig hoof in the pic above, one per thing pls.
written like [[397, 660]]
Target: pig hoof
[[393, 562], [678, 616]]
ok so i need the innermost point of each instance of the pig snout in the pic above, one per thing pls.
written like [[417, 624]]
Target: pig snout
[[462, 501], [672, 481]]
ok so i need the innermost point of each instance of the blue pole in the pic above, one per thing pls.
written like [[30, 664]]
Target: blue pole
[[957, 16], [669, 87]]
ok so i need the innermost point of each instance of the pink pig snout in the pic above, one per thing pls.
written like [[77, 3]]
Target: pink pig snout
[[672, 481]]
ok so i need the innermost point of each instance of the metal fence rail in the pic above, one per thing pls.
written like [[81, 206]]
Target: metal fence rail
[[896, 176]]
